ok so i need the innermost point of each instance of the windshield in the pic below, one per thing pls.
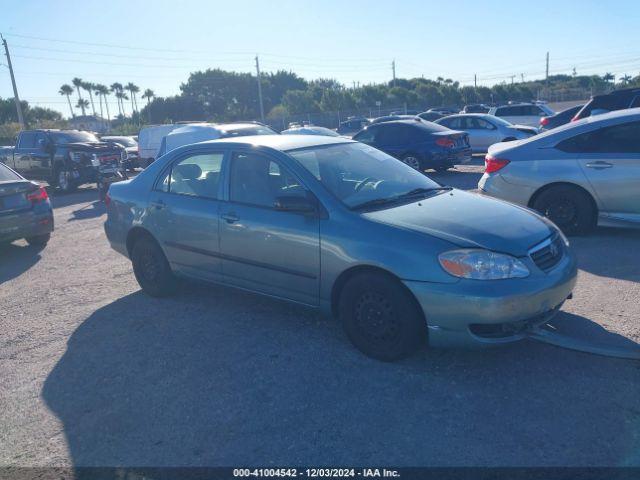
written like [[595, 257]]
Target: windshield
[[356, 173], [124, 141], [61, 138], [7, 175]]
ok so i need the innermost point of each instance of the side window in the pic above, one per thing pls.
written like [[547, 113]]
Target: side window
[[387, 135], [27, 140], [481, 124], [617, 139], [635, 103], [456, 123], [504, 112], [367, 136], [39, 136], [196, 176], [258, 180]]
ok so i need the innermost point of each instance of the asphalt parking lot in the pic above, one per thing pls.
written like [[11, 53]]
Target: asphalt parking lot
[[93, 372]]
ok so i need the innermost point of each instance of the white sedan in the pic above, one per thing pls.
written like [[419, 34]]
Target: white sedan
[[484, 130]]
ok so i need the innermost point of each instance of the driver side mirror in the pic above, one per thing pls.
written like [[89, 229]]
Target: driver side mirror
[[295, 204]]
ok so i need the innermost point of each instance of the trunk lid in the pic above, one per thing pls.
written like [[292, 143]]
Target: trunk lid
[[470, 221], [13, 195]]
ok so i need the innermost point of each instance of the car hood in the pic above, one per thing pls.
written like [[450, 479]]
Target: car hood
[[469, 220]]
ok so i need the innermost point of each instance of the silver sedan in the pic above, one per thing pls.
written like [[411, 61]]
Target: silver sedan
[[485, 130], [579, 174]]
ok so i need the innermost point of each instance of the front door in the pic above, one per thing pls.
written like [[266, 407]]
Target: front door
[[264, 249], [184, 211]]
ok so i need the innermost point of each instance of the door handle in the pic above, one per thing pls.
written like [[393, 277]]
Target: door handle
[[599, 165], [159, 205], [230, 217]]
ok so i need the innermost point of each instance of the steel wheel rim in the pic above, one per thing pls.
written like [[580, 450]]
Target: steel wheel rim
[[413, 162], [375, 318]]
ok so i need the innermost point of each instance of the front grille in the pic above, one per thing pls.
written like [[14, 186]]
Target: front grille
[[547, 254]]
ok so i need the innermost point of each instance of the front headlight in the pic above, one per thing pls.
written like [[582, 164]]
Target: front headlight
[[94, 160], [482, 265]]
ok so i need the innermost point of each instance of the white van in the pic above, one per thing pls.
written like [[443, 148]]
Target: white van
[[200, 132], [522, 113], [149, 140]]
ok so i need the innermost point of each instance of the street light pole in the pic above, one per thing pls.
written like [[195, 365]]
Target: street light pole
[[13, 82], [259, 90]]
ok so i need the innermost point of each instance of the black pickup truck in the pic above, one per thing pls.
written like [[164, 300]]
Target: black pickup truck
[[64, 158]]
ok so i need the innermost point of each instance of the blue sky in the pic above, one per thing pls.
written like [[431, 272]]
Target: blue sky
[[156, 44]]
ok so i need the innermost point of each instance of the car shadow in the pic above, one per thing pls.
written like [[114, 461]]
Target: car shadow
[[215, 376], [92, 210], [15, 259], [609, 252], [82, 195]]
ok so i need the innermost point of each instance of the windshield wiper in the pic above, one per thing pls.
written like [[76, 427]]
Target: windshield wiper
[[403, 196]]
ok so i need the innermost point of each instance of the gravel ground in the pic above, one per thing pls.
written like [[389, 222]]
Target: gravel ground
[[93, 372]]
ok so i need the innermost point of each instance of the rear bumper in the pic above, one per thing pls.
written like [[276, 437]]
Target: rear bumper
[[116, 236], [25, 224], [483, 313], [496, 186], [451, 158]]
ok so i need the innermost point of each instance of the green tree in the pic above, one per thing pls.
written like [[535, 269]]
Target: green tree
[[77, 82], [67, 90]]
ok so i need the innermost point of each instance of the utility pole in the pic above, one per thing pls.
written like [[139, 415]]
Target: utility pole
[[512, 77], [259, 89], [393, 69], [546, 77], [13, 82], [475, 81], [522, 77]]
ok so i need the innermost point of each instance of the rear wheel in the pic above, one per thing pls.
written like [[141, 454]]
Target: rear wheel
[[38, 240], [380, 317], [152, 269], [412, 160], [569, 208]]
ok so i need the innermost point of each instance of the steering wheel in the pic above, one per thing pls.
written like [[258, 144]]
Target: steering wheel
[[360, 185]]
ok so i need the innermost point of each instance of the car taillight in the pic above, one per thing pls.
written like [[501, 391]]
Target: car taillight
[[492, 164], [544, 121], [39, 195], [445, 142]]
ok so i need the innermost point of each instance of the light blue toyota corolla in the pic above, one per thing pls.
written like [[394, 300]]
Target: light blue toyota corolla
[[338, 225]]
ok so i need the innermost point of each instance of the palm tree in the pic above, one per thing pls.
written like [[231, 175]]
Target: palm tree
[[148, 94], [607, 77], [116, 88], [625, 79], [82, 104], [121, 96], [96, 90], [133, 89], [67, 90], [77, 82], [103, 91], [88, 86]]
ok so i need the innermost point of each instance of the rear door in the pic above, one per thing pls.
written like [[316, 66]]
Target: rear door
[[184, 211], [394, 138], [264, 249], [482, 134], [610, 159]]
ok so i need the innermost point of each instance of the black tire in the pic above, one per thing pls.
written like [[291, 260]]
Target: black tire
[[570, 208], [380, 317], [151, 268], [413, 161], [63, 180], [38, 240]]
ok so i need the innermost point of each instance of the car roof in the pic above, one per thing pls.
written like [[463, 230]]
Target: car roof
[[281, 142]]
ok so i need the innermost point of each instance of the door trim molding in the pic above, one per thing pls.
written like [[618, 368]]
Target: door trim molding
[[245, 261]]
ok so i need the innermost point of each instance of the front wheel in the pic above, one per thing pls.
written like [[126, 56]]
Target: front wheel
[[64, 180], [152, 269], [380, 317], [569, 208]]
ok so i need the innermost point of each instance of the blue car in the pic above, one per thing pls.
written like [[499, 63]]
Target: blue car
[[25, 209], [418, 143], [338, 225]]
